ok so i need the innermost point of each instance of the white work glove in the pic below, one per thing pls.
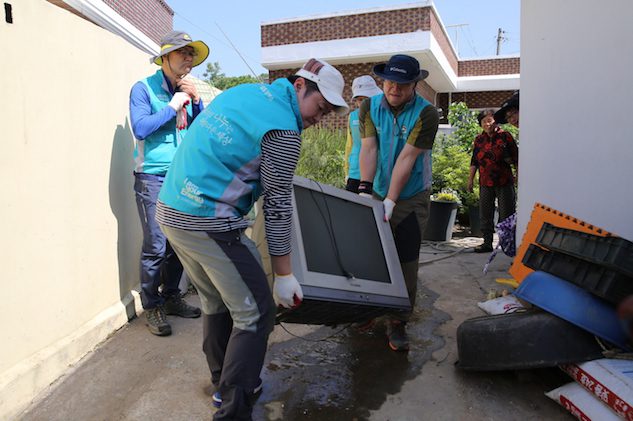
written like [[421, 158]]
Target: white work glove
[[388, 206], [285, 288], [179, 100]]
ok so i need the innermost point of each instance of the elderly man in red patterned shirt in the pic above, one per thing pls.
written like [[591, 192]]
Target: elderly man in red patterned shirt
[[494, 154]]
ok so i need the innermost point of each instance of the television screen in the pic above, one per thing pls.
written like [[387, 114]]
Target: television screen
[[344, 256], [339, 236]]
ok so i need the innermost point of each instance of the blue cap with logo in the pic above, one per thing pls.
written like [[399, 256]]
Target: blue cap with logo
[[401, 69]]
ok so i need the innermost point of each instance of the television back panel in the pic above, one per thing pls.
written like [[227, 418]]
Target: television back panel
[[344, 257]]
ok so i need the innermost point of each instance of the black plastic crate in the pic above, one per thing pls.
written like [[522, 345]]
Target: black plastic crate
[[613, 252], [599, 280]]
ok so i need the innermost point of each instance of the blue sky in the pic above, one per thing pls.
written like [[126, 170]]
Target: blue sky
[[240, 21]]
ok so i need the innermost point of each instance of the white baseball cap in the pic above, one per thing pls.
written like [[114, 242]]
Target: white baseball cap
[[365, 86], [329, 80]]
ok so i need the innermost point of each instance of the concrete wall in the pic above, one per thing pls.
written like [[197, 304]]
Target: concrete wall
[[71, 236], [577, 145]]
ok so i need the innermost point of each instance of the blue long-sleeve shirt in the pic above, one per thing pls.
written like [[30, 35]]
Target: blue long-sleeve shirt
[[144, 123]]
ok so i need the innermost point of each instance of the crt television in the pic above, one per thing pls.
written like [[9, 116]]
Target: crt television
[[344, 257]]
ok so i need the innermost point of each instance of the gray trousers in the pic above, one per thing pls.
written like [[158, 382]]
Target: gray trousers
[[238, 311], [507, 203]]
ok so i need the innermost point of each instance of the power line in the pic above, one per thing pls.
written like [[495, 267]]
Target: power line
[[219, 40], [469, 38], [239, 54], [457, 27]]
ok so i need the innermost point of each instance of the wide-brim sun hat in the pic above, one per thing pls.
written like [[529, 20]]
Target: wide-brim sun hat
[[329, 80], [178, 39], [401, 69], [365, 86], [510, 103]]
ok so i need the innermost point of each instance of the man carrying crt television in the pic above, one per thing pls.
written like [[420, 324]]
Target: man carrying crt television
[[246, 143], [398, 130]]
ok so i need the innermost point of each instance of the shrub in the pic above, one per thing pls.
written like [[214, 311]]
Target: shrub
[[452, 153], [465, 123], [451, 167], [323, 156]]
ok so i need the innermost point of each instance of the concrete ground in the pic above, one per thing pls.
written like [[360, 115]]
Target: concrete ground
[[314, 372]]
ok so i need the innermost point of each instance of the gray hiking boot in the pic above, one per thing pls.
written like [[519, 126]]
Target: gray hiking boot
[[157, 321], [178, 307]]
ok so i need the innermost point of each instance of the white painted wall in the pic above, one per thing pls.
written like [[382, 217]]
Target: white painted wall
[[576, 143], [70, 229]]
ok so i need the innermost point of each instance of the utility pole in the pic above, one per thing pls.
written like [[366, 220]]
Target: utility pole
[[500, 38]]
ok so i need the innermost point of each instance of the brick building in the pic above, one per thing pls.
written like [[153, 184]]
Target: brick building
[[355, 41], [140, 22]]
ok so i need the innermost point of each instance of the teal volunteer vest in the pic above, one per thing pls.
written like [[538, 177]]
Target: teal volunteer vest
[[154, 154], [215, 172], [392, 134]]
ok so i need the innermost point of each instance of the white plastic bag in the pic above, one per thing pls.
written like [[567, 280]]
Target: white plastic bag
[[501, 305]]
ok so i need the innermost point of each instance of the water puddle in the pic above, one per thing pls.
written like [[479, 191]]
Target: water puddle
[[345, 376]]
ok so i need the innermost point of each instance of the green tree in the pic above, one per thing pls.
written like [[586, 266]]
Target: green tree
[[465, 123], [213, 72], [227, 82], [452, 153], [217, 78]]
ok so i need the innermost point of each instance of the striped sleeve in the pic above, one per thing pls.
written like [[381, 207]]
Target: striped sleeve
[[181, 220], [280, 154]]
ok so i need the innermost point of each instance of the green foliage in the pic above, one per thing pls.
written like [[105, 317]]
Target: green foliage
[[470, 198], [451, 166], [452, 153], [231, 81], [465, 123], [213, 72], [323, 156], [514, 131], [215, 77]]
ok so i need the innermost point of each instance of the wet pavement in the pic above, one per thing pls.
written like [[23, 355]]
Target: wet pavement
[[345, 376], [317, 372]]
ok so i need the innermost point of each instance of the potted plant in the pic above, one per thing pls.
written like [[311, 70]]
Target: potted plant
[[451, 162], [470, 202], [442, 214]]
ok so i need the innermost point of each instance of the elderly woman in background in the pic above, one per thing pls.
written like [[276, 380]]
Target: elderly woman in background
[[494, 154]]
